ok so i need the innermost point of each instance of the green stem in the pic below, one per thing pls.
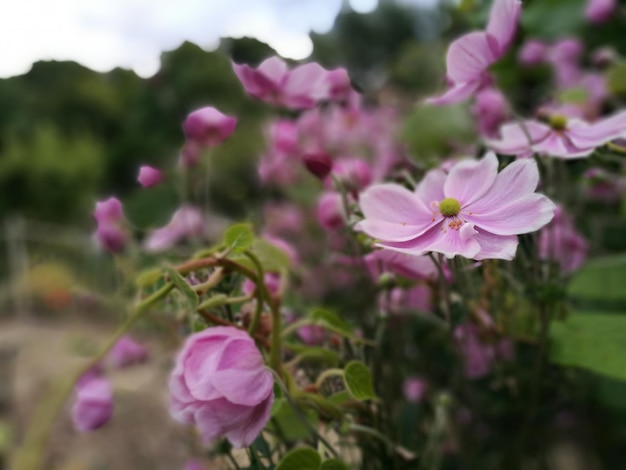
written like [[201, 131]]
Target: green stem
[[275, 349], [31, 454], [254, 324], [327, 374]]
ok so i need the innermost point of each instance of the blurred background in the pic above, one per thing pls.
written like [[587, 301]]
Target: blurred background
[[91, 90]]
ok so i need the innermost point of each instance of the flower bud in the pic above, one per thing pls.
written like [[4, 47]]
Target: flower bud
[[533, 52], [208, 127], [149, 176], [318, 163], [600, 11], [94, 404], [126, 352]]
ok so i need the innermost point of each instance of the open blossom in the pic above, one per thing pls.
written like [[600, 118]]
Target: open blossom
[[473, 211], [93, 405], [272, 82], [559, 241], [221, 385], [560, 137], [186, 222], [208, 127], [470, 56], [110, 234]]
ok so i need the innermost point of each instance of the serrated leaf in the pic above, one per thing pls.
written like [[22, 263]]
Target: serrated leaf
[[304, 458], [334, 464], [181, 285], [148, 277], [239, 238], [358, 381], [592, 341], [272, 258]]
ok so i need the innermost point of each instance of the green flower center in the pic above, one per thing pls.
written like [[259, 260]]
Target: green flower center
[[558, 122], [449, 207]]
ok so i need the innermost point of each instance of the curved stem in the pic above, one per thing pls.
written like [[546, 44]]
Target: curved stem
[[31, 454], [327, 374]]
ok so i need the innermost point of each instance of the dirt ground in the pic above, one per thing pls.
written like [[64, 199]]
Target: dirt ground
[[141, 435]]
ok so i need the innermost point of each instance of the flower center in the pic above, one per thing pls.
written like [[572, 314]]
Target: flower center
[[558, 122], [449, 207]]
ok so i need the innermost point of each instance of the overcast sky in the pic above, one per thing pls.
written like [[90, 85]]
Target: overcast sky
[[103, 34]]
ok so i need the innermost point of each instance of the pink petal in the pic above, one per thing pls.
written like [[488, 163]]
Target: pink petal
[[244, 387], [515, 137], [441, 239], [469, 57], [557, 145], [503, 21], [517, 180], [598, 133], [250, 427], [468, 180], [523, 215], [200, 366], [273, 69], [456, 94], [393, 213], [430, 189], [305, 86], [496, 246]]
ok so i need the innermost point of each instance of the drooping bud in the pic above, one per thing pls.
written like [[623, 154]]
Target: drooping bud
[[318, 163], [94, 404]]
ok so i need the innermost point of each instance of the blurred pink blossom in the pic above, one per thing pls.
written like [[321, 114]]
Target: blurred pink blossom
[[93, 404], [186, 222], [208, 127], [149, 176]]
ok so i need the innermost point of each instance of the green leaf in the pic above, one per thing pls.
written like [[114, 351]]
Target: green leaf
[[304, 458], [340, 398], [616, 78], [358, 381], [601, 281], [239, 238], [272, 258], [181, 285], [334, 464], [148, 277], [316, 354], [289, 422], [592, 341], [331, 321]]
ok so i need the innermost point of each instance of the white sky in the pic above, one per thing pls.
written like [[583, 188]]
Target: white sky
[[103, 34]]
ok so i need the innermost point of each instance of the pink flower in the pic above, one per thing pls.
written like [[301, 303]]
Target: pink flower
[[110, 233], [490, 110], [417, 298], [559, 241], [339, 87], [93, 405], [478, 356], [330, 213], [208, 127], [602, 185], [312, 334], [283, 136], [273, 83], [561, 137], [416, 267], [354, 173], [189, 155], [414, 389], [149, 176], [126, 352], [186, 222], [470, 56], [473, 211], [532, 52], [600, 11], [221, 385]]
